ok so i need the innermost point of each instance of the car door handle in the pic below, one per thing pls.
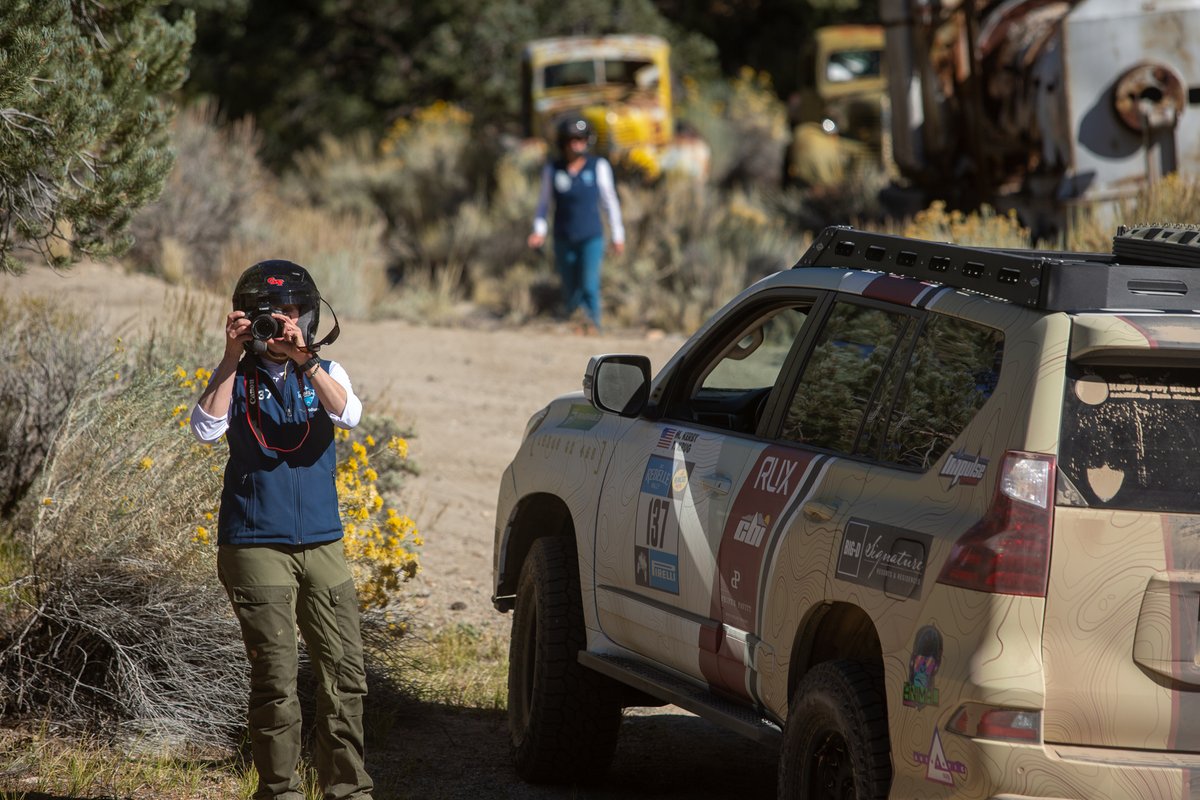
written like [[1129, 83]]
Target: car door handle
[[820, 512], [717, 483]]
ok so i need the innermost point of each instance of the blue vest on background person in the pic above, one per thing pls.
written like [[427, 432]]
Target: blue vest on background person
[[270, 496], [576, 203]]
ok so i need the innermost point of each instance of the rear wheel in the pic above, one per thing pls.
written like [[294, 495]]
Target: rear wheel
[[835, 746], [563, 717]]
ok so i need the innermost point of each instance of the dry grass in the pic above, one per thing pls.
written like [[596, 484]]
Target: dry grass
[[464, 667], [983, 228], [1174, 199]]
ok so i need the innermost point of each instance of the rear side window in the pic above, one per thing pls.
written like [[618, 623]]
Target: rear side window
[[952, 372], [1130, 438], [842, 376], [880, 385]]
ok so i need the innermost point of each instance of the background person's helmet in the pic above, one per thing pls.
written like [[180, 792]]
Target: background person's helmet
[[276, 283], [574, 128]]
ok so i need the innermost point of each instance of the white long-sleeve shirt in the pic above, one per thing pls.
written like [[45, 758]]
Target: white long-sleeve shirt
[[208, 428], [609, 203]]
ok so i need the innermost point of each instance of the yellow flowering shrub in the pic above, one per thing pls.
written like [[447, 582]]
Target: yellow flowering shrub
[[379, 541], [983, 228]]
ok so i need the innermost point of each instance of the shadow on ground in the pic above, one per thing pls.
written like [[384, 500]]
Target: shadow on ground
[[435, 752]]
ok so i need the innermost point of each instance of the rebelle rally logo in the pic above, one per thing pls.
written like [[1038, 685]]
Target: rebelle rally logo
[[964, 468]]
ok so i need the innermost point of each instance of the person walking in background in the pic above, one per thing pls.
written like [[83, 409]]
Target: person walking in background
[[279, 538], [582, 185]]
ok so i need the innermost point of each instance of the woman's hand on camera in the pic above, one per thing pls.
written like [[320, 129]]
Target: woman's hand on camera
[[237, 333], [291, 341]]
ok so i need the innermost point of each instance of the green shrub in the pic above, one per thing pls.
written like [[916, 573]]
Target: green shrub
[[207, 197]]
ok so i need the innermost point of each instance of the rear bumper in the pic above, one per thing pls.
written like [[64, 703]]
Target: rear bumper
[[996, 770], [1063, 772]]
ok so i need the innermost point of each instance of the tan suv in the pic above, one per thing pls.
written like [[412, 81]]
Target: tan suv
[[924, 516]]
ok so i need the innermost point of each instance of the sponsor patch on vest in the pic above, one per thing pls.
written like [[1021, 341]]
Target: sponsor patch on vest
[[963, 468]]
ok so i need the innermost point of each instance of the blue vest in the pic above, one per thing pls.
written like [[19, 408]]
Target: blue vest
[[280, 479], [576, 203]]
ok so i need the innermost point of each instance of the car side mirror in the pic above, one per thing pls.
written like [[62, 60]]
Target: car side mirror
[[619, 384]]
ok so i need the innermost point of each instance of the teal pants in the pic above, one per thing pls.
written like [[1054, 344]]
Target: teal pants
[[273, 589]]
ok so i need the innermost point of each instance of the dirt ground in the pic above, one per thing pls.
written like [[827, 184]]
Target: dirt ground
[[467, 393]]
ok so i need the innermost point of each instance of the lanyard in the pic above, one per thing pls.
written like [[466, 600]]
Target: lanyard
[[250, 385]]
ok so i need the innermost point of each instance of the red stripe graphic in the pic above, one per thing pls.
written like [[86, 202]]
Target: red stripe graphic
[[895, 290], [775, 478]]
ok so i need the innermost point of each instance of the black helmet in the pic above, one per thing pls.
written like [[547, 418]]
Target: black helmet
[[269, 285], [574, 128]]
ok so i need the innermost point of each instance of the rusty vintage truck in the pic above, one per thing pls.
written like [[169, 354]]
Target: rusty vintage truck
[[622, 85]]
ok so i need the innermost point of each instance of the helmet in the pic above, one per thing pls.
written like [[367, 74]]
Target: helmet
[[574, 128], [269, 285]]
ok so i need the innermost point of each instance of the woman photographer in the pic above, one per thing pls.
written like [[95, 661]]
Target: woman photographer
[[279, 529]]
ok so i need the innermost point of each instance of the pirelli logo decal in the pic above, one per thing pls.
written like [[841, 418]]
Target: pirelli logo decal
[[963, 468]]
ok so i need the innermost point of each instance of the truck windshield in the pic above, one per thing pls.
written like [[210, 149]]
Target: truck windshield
[[1130, 438], [569, 73], [847, 65]]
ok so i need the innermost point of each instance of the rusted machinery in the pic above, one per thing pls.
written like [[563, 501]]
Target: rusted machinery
[[1042, 105]]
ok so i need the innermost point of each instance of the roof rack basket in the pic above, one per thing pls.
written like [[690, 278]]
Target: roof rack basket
[[1154, 268]]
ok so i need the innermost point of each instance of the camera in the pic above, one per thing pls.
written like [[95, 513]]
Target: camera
[[262, 325]]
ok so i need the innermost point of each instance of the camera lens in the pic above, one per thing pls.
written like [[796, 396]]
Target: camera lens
[[264, 327]]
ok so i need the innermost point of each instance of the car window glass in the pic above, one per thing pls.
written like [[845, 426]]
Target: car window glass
[[952, 372], [729, 390], [754, 359], [1131, 437], [840, 378]]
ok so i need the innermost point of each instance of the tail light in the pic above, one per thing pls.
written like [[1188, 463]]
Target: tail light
[[989, 722], [1008, 551]]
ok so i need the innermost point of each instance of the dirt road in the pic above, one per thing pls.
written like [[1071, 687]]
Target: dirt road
[[467, 394]]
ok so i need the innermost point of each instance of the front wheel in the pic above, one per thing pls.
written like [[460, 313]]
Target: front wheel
[[835, 745], [563, 717]]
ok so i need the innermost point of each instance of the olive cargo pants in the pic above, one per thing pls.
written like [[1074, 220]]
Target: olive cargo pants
[[273, 588]]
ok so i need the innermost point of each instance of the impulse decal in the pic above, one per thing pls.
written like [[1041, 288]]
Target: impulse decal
[[923, 665], [963, 468], [882, 557]]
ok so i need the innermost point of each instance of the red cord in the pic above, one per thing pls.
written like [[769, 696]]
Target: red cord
[[258, 436]]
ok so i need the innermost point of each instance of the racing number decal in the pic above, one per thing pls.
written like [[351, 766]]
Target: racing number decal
[[656, 522], [656, 549], [668, 508]]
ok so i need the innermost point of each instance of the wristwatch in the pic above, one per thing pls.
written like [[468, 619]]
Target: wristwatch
[[308, 366]]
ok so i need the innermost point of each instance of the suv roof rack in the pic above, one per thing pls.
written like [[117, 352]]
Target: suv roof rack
[[1152, 267]]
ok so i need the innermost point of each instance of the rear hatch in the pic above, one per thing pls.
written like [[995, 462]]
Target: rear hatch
[[1123, 605]]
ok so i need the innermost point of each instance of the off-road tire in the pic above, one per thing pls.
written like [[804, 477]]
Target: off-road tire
[[563, 718], [835, 744]]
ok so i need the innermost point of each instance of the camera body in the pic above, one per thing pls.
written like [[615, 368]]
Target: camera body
[[263, 326]]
